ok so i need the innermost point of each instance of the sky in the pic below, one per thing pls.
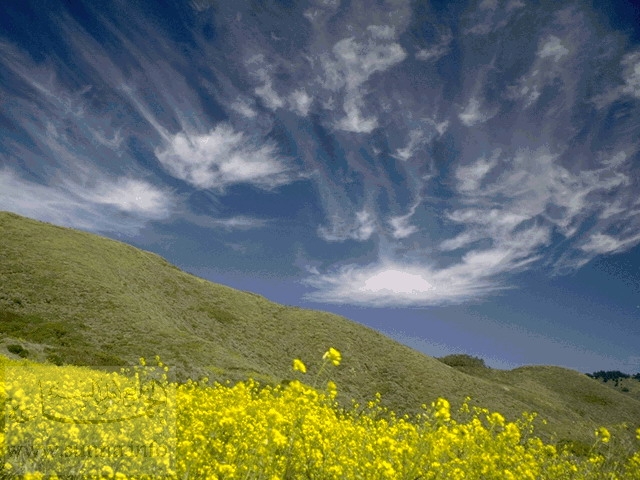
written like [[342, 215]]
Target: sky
[[461, 176]]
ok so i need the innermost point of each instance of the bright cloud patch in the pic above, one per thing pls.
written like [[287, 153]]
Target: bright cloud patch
[[401, 227], [133, 196], [553, 48], [600, 243], [221, 158], [354, 121], [301, 102], [74, 205], [469, 177], [394, 284]]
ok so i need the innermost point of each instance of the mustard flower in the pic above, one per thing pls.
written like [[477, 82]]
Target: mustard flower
[[332, 389], [299, 366], [603, 434], [333, 355]]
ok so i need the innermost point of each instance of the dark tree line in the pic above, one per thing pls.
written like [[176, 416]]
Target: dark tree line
[[614, 375]]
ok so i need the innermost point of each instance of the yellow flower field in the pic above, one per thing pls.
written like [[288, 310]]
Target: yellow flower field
[[70, 422]]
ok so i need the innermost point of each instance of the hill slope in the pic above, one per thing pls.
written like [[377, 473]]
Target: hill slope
[[72, 297]]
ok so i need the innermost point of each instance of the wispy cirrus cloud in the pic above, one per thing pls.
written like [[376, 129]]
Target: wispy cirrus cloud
[[67, 163], [630, 86], [222, 158], [436, 51], [121, 205], [353, 63], [507, 225], [86, 131], [360, 228], [474, 113]]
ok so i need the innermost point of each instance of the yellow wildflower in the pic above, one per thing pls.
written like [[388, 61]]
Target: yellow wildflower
[[333, 355], [332, 389], [603, 434], [299, 366]]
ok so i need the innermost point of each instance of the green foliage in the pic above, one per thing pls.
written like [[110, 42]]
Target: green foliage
[[18, 350], [574, 447], [608, 375], [463, 360]]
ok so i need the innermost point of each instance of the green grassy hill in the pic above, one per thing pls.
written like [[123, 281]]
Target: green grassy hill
[[72, 297], [628, 386]]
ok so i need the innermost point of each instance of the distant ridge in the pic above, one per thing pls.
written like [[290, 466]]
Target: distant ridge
[[68, 296]]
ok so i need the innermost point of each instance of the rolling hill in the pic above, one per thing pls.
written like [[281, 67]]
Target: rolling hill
[[70, 297]]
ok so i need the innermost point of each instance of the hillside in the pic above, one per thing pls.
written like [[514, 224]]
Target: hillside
[[629, 386], [72, 297]]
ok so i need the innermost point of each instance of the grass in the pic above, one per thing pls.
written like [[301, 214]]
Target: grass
[[70, 297], [627, 386]]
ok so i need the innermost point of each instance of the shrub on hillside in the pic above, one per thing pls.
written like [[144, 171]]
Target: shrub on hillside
[[18, 350], [608, 375], [462, 360]]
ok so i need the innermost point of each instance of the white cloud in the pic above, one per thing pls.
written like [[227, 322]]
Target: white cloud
[[240, 222], [201, 5], [416, 139], [354, 63], [401, 227], [552, 47], [631, 74], [630, 66], [358, 61], [269, 96], [548, 69], [244, 108], [437, 51], [359, 228], [382, 32], [221, 158], [354, 121], [132, 196], [101, 137], [473, 115], [600, 243], [321, 10], [533, 188], [442, 127], [394, 284], [75, 205], [470, 176], [300, 102], [526, 89], [263, 70]]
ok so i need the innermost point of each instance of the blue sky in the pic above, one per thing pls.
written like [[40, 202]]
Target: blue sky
[[462, 176]]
